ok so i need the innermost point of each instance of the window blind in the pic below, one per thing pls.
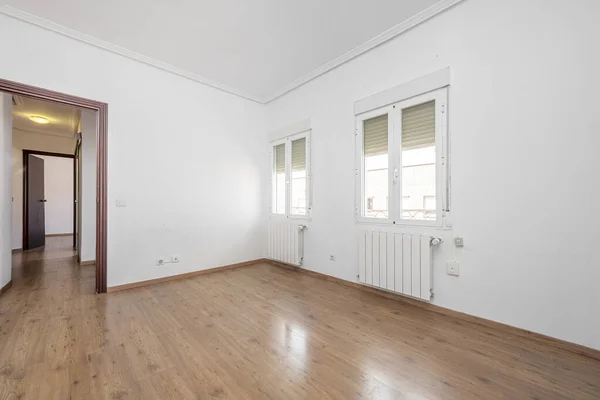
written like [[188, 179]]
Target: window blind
[[418, 126], [280, 159], [375, 133], [299, 155]]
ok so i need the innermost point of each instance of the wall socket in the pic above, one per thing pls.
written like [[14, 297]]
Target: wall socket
[[161, 261], [452, 268], [331, 257], [459, 241]]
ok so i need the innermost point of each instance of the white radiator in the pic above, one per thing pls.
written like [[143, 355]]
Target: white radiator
[[286, 242], [397, 262]]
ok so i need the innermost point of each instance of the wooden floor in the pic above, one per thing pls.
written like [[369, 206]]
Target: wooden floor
[[259, 332]]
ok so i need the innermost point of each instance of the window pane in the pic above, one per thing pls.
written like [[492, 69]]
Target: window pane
[[429, 203], [418, 162], [279, 179], [298, 195], [375, 145]]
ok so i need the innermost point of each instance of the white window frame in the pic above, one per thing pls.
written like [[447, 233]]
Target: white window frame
[[440, 96], [288, 175], [360, 170]]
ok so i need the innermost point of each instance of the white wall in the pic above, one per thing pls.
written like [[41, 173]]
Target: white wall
[[29, 141], [191, 162], [185, 157], [58, 190], [524, 132], [87, 250], [5, 188]]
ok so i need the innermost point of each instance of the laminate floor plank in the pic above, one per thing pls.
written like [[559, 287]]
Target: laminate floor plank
[[258, 332]]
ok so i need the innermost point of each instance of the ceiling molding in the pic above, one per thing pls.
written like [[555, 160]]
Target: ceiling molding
[[82, 37], [34, 132], [391, 33], [17, 101]]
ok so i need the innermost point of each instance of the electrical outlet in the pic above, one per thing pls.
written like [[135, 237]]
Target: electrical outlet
[[331, 257], [174, 259], [459, 241], [161, 261], [452, 268]]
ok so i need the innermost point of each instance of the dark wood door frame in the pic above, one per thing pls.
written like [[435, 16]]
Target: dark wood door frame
[[26, 154], [76, 173], [101, 161]]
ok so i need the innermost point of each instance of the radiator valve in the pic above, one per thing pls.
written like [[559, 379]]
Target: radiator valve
[[435, 241]]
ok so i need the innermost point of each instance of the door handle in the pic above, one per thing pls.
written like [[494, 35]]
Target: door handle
[[44, 201]]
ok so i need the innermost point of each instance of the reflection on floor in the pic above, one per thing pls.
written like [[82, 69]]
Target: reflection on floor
[[258, 332]]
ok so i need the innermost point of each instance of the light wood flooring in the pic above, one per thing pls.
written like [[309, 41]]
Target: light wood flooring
[[259, 332]]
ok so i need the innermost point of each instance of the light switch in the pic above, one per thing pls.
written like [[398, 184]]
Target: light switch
[[121, 203]]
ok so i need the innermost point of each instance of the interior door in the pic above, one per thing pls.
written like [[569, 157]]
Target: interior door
[[36, 203]]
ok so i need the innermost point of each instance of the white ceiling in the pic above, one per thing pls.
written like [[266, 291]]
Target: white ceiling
[[259, 48], [64, 120]]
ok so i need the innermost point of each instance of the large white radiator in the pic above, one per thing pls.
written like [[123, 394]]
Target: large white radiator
[[397, 262], [286, 242]]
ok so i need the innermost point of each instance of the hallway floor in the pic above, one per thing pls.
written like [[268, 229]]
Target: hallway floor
[[258, 332]]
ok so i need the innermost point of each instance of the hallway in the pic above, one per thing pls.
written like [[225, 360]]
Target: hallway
[[51, 272], [50, 293]]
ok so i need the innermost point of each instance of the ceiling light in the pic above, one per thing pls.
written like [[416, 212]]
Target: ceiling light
[[39, 120]]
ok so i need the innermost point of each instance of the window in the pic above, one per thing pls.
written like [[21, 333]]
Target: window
[[429, 203], [376, 166], [290, 176], [401, 153], [298, 189], [279, 179]]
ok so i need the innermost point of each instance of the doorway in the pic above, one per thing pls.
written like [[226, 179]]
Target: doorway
[[42, 218], [101, 109]]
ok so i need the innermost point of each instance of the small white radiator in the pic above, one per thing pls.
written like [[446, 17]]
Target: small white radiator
[[286, 242], [397, 262]]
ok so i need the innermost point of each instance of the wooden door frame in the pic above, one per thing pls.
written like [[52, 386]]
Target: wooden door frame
[[26, 154], [76, 200], [101, 161]]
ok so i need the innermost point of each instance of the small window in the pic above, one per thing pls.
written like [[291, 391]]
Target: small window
[[290, 176], [402, 174]]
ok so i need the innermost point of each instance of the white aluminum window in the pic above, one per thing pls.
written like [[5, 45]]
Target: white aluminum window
[[402, 163], [290, 176]]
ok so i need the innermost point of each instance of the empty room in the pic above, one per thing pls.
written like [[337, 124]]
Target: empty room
[[299, 199]]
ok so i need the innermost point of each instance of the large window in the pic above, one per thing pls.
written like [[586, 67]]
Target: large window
[[290, 176], [401, 153]]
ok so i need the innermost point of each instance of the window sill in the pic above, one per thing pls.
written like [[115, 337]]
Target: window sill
[[437, 226]]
